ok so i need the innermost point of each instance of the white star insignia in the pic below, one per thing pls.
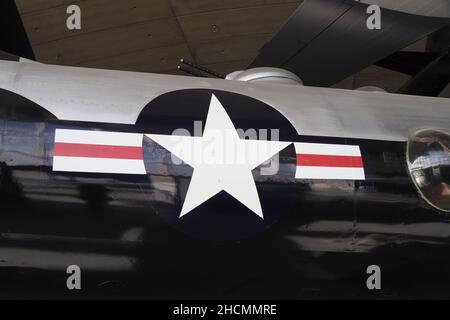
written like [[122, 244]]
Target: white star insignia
[[221, 160]]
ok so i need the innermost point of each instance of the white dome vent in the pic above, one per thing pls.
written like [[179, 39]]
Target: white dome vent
[[265, 74]]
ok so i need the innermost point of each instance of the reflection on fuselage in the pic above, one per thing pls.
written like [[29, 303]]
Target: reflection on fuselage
[[114, 222]]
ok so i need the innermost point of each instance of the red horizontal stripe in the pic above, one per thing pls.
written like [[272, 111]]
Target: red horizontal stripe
[[318, 160], [96, 151]]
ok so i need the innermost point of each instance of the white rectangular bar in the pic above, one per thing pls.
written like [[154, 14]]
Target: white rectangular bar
[[98, 165], [99, 137], [329, 173], [327, 149]]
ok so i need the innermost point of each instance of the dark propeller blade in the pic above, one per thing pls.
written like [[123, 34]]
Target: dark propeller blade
[[13, 37], [408, 62], [431, 80], [326, 41]]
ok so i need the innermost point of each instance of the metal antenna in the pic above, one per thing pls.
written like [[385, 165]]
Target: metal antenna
[[191, 72], [206, 70]]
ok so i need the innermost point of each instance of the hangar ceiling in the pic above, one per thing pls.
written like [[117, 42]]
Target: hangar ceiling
[[152, 35]]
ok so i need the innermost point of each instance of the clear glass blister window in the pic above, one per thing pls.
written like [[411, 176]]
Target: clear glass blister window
[[428, 156]]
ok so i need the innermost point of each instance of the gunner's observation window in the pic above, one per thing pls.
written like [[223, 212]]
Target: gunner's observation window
[[428, 156]]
